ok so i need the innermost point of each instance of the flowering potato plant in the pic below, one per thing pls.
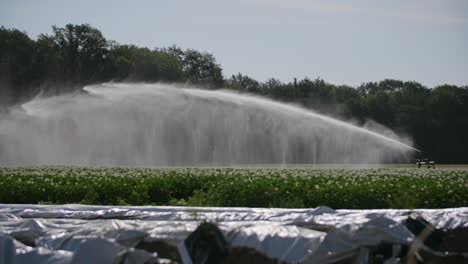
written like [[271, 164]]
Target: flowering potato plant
[[352, 188]]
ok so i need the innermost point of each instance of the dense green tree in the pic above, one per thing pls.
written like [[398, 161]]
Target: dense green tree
[[142, 64], [348, 101], [270, 85], [448, 123], [81, 50], [16, 52], [199, 67], [243, 82]]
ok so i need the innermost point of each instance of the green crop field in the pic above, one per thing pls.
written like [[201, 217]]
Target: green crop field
[[290, 187]]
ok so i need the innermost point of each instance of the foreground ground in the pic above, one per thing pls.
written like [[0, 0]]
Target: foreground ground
[[151, 234], [291, 187]]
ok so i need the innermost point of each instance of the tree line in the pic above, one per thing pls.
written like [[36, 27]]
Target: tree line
[[75, 55]]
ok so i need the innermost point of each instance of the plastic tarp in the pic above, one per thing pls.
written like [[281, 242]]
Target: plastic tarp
[[108, 234]]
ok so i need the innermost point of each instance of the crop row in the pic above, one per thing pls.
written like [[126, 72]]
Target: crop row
[[252, 187]]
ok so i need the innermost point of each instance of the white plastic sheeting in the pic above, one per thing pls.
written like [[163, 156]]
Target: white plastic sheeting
[[81, 233]]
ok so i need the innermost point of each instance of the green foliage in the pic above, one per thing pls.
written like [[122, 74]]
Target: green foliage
[[16, 67], [199, 67], [251, 187], [81, 52], [243, 82], [76, 55]]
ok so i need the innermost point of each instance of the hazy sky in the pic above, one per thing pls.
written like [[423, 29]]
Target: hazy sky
[[340, 41]]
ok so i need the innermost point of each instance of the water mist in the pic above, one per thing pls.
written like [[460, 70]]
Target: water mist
[[124, 124]]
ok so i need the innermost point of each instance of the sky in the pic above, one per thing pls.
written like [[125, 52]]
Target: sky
[[340, 41]]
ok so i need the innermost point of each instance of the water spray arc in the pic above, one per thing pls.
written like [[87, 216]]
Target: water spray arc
[[124, 124]]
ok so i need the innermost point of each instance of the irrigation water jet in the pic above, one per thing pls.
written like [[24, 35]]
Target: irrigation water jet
[[125, 124]]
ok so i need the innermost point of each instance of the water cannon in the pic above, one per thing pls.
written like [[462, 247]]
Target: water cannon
[[425, 161]]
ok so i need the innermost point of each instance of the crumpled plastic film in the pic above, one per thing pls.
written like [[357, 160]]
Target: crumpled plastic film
[[75, 233]]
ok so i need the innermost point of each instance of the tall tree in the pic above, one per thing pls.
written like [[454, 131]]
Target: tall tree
[[82, 51], [16, 52], [199, 67], [243, 82]]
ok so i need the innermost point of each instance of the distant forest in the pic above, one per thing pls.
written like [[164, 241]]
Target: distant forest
[[435, 118]]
